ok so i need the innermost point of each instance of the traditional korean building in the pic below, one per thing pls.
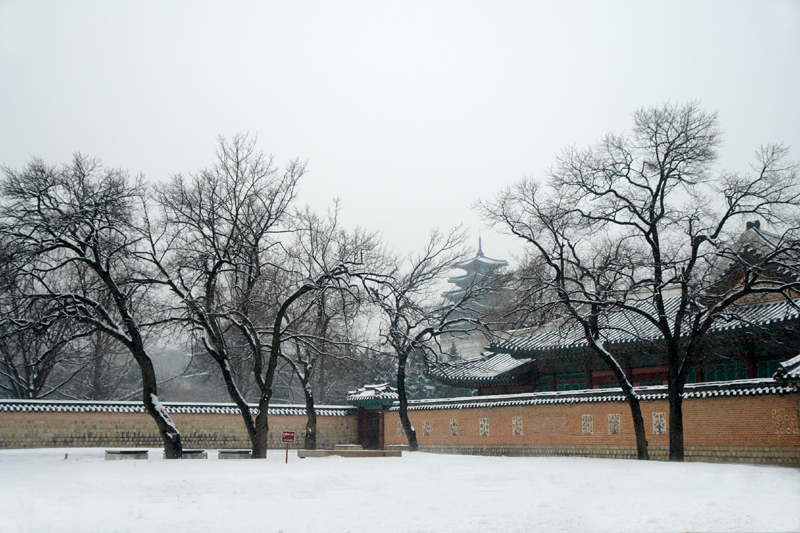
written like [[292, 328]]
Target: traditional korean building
[[752, 343], [752, 346]]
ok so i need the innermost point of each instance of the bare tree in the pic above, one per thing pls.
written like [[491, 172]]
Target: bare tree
[[641, 226], [322, 326], [79, 221], [225, 250], [413, 314], [44, 354], [267, 345], [212, 249]]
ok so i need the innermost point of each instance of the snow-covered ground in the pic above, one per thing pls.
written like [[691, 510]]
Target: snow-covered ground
[[42, 491]]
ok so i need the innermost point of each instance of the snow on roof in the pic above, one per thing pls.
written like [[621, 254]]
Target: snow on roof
[[492, 368], [512, 358], [70, 406], [623, 328], [789, 371], [380, 393], [482, 260], [742, 387]]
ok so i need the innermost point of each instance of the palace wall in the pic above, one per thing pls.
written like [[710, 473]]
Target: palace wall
[[38, 424], [754, 421], [752, 428]]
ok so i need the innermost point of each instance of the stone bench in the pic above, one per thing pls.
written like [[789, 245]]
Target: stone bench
[[302, 454], [118, 455], [347, 447], [192, 454], [235, 454]]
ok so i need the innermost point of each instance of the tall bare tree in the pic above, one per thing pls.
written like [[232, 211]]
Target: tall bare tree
[[81, 218], [212, 249], [228, 249], [643, 225], [323, 325], [268, 344], [414, 315]]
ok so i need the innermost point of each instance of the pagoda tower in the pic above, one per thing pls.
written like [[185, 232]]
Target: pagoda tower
[[478, 271]]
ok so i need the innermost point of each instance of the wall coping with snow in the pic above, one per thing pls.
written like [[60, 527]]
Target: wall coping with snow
[[716, 389], [74, 406]]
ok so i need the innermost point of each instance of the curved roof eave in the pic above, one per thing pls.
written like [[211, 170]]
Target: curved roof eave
[[761, 316], [466, 265]]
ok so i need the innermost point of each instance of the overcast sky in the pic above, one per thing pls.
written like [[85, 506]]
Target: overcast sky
[[407, 111]]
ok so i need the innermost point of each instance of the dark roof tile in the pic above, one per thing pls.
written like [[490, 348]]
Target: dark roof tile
[[490, 369]]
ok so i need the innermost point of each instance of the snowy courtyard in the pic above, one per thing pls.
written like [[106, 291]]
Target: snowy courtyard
[[76, 490]]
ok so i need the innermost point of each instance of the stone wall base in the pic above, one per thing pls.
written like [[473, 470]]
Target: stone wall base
[[775, 455]]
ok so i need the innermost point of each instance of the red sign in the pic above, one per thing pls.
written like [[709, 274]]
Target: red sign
[[287, 437]]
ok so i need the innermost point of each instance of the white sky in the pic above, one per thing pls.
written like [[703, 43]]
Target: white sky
[[408, 111]]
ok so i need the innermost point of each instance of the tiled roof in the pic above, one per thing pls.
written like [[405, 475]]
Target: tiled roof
[[480, 259], [754, 247], [56, 406], [500, 369], [629, 328], [380, 394], [744, 387], [789, 371]]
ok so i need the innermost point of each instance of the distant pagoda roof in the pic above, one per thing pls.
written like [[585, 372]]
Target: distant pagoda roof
[[480, 259], [475, 269], [479, 263]]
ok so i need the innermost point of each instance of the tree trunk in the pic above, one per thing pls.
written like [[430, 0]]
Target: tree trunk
[[411, 434], [633, 401], [675, 394], [262, 428], [311, 424], [170, 435], [135, 344], [642, 452], [265, 384], [638, 428], [238, 399]]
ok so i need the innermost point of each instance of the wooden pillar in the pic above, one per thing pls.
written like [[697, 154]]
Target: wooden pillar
[[362, 426], [752, 367], [700, 373], [383, 428]]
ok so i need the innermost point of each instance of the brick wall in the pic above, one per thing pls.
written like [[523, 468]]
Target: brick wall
[[753, 421], [36, 429], [756, 429]]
